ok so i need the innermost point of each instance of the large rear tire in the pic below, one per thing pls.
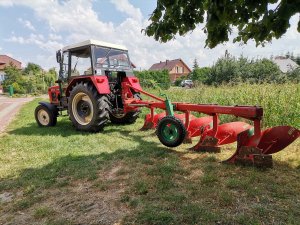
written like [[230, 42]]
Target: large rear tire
[[88, 110]]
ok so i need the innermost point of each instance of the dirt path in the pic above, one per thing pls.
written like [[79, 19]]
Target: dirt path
[[9, 107]]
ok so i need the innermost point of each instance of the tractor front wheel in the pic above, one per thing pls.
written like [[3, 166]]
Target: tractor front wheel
[[170, 131], [88, 110], [44, 116]]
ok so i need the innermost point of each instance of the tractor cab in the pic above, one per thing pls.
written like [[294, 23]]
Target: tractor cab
[[106, 65], [96, 58]]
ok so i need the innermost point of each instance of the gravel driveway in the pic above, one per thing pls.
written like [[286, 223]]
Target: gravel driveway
[[9, 107]]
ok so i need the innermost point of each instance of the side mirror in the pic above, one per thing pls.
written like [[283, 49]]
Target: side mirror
[[59, 58]]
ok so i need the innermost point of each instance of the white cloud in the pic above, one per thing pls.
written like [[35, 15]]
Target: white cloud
[[37, 39], [6, 3], [55, 37], [26, 23], [46, 57], [16, 39], [125, 7]]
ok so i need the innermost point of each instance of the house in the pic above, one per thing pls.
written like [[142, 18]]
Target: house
[[177, 68], [285, 64], [6, 61]]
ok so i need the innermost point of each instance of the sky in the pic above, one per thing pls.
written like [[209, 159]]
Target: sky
[[33, 30]]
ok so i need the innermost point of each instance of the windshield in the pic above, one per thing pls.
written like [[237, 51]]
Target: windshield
[[111, 58]]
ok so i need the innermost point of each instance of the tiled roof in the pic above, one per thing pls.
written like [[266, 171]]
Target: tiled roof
[[6, 60], [4, 57], [167, 65], [285, 64]]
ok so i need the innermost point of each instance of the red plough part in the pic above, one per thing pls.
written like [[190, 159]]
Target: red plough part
[[152, 119], [223, 134], [195, 127], [198, 125], [254, 147]]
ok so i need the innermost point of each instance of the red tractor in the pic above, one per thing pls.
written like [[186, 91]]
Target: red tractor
[[96, 84], [89, 86]]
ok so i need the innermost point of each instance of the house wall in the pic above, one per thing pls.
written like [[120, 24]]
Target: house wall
[[2, 75], [6, 61], [179, 70]]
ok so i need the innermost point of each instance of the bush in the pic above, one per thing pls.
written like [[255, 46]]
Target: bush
[[201, 75], [32, 80], [294, 75], [18, 89], [229, 70], [150, 78]]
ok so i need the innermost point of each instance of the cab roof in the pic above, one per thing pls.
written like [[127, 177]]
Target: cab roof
[[94, 42]]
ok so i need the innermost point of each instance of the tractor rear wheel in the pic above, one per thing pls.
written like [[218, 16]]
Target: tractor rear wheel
[[126, 118], [44, 116], [88, 110], [170, 131]]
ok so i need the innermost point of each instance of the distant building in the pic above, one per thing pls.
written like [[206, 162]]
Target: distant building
[[285, 64], [6, 61], [176, 68]]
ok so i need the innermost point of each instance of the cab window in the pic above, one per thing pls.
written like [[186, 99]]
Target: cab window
[[81, 63]]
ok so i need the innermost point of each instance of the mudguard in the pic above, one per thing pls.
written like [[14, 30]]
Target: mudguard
[[100, 83], [133, 81], [51, 107]]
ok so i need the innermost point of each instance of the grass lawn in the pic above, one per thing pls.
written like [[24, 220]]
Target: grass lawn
[[60, 176]]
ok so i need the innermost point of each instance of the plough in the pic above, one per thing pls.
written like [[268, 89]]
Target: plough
[[254, 146]]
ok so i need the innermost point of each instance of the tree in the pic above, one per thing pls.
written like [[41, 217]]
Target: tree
[[32, 68], [297, 59], [13, 77], [201, 74], [12, 74], [33, 79], [50, 77], [294, 75], [253, 19], [195, 65], [236, 70]]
